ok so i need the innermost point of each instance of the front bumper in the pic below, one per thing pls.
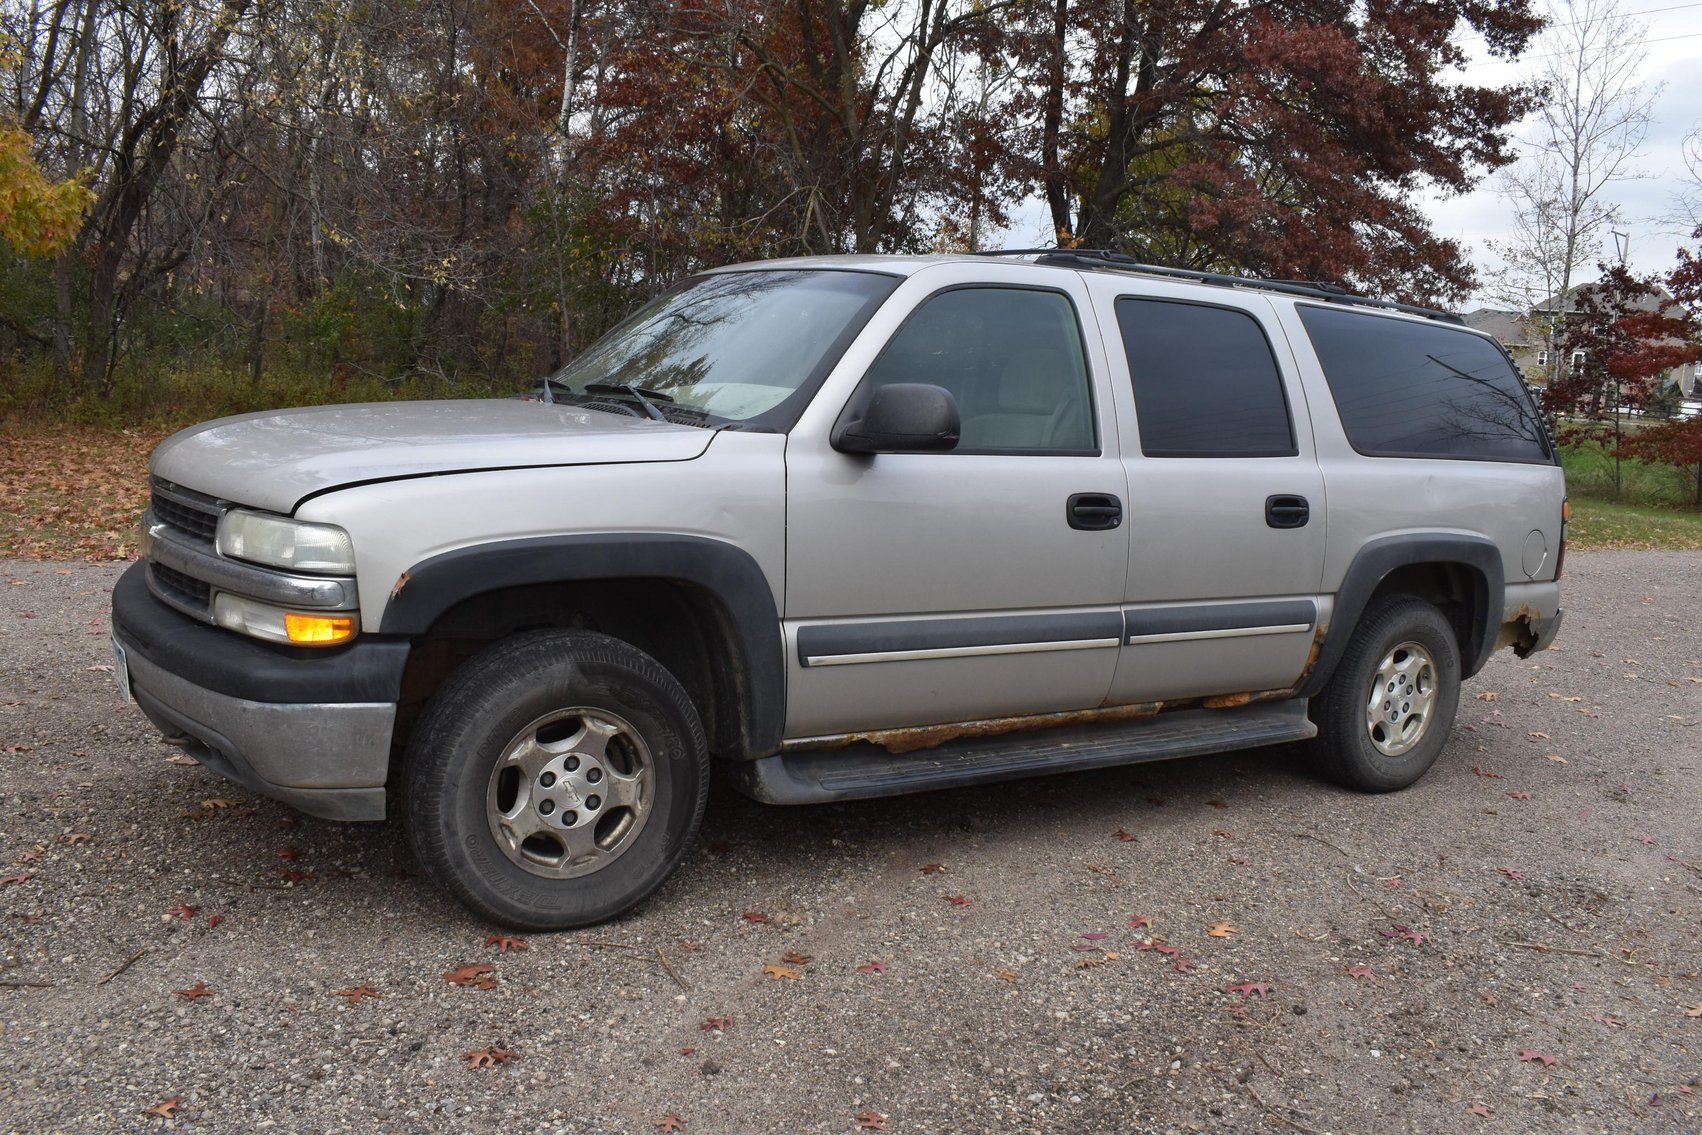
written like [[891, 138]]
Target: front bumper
[[310, 728]]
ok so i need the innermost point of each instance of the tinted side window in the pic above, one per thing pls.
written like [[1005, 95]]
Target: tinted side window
[[1206, 383], [1011, 357], [1423, 390]]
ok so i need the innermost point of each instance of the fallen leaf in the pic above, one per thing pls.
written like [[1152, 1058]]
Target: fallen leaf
[[1491, 775], [1250, 989], [182, 911], [1096, 936], [959, 900], [166, 1109], [1183, 965], [182, 759], [477, 976], [1398, 930], [872, 967], [1221, 930], [1536, 736], [16, 880], [194, 992], [356, 994], [103, 668], [1223, 833], [214, 919], [1518, 794], [1090, 963], [780, 973], [871, 1121], [1695, 1010], [505, 943], [1532, 1056], [1645, 841], [1125, 835], [219, 802], [488, 1057], [1479, 1109], [1518, 876], [288, 853], [1237, 861], [72, 839], [1607, 1019], [1006, 975], [670, 1122], [794, 958], [755, 916], [934, 869], [1136, 921], [1555, 757], [1488, 695], [1365, 972], [721, 1024], [1488, 998]]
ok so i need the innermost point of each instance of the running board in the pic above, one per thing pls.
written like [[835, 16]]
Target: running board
[[863, 772]]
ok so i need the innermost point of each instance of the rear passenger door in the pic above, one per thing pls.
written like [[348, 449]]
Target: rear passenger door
[[1226, 501]]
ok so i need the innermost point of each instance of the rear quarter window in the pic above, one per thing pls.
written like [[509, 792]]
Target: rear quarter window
[[1407, 389]]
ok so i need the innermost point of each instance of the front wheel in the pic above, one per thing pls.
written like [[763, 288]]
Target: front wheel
[[1385, 714], [555, 780]]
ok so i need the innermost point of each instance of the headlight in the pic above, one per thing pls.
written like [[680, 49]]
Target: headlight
[[280, 542]]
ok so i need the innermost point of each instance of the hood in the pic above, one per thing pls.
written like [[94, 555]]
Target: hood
[[272, 460]]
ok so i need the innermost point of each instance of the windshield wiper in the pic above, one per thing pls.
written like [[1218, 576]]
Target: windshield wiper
[[634, 391]]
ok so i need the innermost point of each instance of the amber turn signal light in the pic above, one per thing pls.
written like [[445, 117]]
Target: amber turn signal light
[[318, 630]]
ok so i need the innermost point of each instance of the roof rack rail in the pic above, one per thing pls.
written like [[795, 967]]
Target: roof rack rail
[[1106, 258]]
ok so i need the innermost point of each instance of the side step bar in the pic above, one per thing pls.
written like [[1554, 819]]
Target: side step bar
[[864, 772]]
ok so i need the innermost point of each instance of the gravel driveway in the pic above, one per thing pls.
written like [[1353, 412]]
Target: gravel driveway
[[1223, 944]]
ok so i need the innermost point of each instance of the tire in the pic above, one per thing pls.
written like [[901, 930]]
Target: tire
[[555, 780], [1387, 710]]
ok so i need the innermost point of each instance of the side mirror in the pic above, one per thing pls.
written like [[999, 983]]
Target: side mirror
[[905, 417]]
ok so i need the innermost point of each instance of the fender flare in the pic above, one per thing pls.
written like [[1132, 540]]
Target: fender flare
[[728, 575], [1480, 557]]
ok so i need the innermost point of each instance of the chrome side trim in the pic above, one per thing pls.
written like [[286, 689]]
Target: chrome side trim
[[1226, 632], [180, 552], [957, 652]]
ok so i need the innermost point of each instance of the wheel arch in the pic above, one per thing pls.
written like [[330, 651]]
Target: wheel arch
[[703, 608], [1461, 573]]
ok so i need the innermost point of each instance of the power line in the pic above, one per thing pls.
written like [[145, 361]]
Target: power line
[[1563, 54]]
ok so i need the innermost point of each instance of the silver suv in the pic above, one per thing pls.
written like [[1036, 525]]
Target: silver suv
[[841, 528]]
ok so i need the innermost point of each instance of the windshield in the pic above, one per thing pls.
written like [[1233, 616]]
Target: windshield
[[734, 347]]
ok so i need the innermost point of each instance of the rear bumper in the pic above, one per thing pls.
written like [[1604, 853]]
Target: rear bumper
[[304, 729]]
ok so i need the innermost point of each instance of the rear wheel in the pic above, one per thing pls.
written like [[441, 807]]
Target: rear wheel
[[1385, 715], [555, 780]]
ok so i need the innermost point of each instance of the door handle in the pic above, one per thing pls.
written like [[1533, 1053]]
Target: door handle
[[1094, 512], [1287, 512]]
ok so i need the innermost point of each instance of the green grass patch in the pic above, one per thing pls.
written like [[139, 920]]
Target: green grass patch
[[1590, 468], [1598, 524]]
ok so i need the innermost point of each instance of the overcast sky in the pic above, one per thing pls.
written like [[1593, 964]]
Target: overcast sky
[[1673, 43]]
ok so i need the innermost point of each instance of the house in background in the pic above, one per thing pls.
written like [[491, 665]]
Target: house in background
[[1522, 334]]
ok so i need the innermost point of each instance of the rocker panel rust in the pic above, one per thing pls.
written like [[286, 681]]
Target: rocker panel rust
[[914, 738]]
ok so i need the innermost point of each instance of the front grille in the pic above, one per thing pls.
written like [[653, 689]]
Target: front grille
[[185, 511], [187, 592]]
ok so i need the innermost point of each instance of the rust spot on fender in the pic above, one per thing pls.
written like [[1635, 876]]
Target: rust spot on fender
[[401, 582], [1312, 655], [1517, 631]]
